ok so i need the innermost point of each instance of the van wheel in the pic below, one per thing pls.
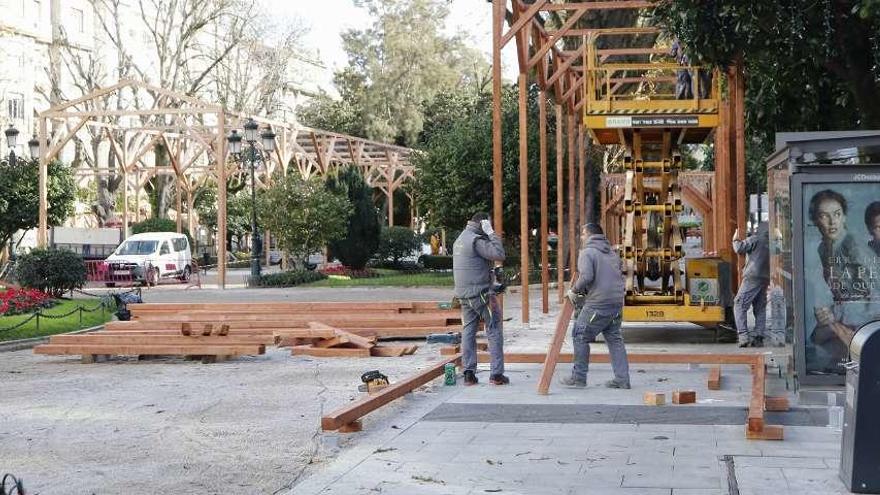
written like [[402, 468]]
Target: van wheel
[[187, 273], [153, 277]]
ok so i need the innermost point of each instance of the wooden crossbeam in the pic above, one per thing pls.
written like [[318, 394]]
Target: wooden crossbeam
[[606, 5], [524, 18]]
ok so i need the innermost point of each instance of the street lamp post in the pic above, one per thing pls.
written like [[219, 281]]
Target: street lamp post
[[11, 140], [251, 134]]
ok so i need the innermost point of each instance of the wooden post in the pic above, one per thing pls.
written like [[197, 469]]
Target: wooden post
[[499, 8], [742, 199], [545, 256], [719, 206], [137, 196], [179, 204], [572, 213], [560, 207], [220, 161], [524, 194], [190, 217], [124, 203], [390, 206], [43, 230], [582, 177]]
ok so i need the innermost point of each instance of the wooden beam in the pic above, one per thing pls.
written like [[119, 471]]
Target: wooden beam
[[524, 194], [575, 56], [606, 5], [552, 356], [220, 165], [582, 176], [358, 409], [616, 52], [541, 51], [524, 18], [43, 214], [498, 11], [610, 31], [572, 213], [714, 380], [545, 256], [560, 206]]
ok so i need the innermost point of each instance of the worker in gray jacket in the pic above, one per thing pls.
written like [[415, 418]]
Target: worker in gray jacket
[[473, 254], [753, 289], [599, 290]]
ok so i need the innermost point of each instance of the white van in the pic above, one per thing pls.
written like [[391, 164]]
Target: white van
[[149, 256]]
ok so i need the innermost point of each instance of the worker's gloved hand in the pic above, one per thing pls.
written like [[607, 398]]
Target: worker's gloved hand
[[575, 298], [486, 225]]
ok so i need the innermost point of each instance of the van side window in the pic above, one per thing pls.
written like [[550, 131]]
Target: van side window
[[164, 249], [180, 244]]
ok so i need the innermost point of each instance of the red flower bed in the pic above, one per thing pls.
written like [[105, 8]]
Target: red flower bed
[[18, 301], [348, 272]]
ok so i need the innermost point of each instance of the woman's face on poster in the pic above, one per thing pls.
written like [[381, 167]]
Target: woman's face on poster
[[874, 228], [831, 219]]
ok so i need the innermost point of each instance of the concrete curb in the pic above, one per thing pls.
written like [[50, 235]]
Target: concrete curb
[[17, 345]]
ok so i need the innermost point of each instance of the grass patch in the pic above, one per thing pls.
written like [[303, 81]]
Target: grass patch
[[391, 278], [52, 326]]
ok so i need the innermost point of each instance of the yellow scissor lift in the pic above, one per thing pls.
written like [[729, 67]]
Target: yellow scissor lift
[[634, 105]]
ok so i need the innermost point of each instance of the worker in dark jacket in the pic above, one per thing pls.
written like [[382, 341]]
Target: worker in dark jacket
[[473, 254], [753, 289], [599, 290]]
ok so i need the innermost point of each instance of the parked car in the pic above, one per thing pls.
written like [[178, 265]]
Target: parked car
[[151, 256]]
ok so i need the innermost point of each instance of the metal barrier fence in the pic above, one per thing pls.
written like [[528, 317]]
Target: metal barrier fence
[[113, 274]]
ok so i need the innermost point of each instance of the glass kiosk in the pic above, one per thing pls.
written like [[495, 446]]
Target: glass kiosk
[[824, 192]]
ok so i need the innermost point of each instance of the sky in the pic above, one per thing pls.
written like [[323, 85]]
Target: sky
[[327, 19]]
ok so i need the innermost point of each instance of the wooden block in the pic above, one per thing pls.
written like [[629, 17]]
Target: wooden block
[[303, 350], [223, 330], [778, 403], [353, 427], [412, 350], [714, 381], [482, 346], [186, 329], [654, 399], [352, 338], [388, 351], [684, 397], [206, 330], [769, 432]]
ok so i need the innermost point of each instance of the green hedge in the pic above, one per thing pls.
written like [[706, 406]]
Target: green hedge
[[434, 262], [291, 278], [53, 271]]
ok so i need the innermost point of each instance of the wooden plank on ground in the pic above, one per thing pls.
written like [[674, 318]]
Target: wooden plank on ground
[[307, 350], [555, 348], [776, 403], [101, 338], [150, 350], [714, 381], [643, 358], [356, 410], [352, 338], [306, 333], [334, 342], [756, 405]]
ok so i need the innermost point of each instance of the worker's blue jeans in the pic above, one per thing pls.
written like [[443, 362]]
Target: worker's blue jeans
[[752, 292], [486, 308], [590, 324]]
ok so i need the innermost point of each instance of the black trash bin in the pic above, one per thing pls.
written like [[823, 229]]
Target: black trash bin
[[860, 446]]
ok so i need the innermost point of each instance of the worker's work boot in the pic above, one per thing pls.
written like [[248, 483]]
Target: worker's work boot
[[470, 378], [572, 383], [756, 342], [743, 340], [617, 384], [499, 380]]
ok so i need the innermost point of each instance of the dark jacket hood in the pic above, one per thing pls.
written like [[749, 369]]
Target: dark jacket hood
[[599, 242]]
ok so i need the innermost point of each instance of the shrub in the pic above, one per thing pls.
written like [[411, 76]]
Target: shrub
[[397, 243], [54, 271], [364, 229], [17, 301], [291, 278], [433, 262]]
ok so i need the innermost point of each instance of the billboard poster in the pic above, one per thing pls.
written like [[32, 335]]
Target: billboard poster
[[841, 269]]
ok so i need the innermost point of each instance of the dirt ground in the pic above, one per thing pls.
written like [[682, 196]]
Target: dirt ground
[[250, 425]]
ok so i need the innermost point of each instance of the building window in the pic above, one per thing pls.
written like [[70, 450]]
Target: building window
[[79, 22], [15, 106], [36, 12]]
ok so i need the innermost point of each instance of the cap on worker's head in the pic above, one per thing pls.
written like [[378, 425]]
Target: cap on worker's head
[[480, 216], [593, 228]]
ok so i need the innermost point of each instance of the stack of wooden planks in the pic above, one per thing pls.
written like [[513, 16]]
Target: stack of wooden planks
[[208, 342], [235, 329], [322, 340]]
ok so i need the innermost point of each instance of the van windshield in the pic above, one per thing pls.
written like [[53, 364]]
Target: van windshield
[[137, 247]]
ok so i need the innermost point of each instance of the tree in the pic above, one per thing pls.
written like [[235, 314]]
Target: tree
[[303, 215], [363, 231], [395, 66], [20, 196], [397, 243], [809, 66], [238, 212]]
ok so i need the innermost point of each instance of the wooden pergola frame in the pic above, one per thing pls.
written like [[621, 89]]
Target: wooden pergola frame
[[560, 73], [194, 133]]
